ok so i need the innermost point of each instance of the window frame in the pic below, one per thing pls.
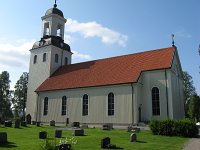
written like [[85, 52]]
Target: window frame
[[155, 98], [46, 105], [66, 61], [85, 105], [44, 58], [56, 58], [111, 104], [64, 106], [35, 59]]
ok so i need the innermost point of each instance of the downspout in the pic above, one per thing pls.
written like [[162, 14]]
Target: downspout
[[37, 107], [132, 105], [166, 85]]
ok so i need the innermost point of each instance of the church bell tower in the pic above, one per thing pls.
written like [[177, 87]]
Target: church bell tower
[[47, 55]]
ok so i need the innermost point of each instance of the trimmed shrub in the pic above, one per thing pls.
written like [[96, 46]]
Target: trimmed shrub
[[184, 127]]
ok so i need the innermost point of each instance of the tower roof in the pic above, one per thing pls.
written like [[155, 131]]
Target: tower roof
[[54, 10]]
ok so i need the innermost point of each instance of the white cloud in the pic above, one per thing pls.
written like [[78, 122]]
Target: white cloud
[[78, 57], [93, 29], [15, 55]]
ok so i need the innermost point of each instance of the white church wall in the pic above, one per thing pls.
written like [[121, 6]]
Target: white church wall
[[97, 105], [148, 81], [177, 89], [38, 73]]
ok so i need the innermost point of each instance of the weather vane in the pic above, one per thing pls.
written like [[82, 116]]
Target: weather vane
[[173, 40], [55, 5]]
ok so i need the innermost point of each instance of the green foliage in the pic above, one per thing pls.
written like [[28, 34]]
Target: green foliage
[[49, 144], [189, 90], [184, 127], [194, 108], [20, 94], [5, 96]]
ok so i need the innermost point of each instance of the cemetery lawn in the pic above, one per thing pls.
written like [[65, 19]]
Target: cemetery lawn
[[26, 138]]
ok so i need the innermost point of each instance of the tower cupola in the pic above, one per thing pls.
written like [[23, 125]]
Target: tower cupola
[[53, 23]]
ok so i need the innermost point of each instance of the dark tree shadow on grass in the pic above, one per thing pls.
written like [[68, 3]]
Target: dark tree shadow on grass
[[8, 145]]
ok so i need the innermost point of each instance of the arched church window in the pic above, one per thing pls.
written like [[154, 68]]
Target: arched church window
[[155, 101], [56, 58], [110, 104], [85, 105], [64, 105], [45, 106], [35, 59], [44, 57], [66, 61]]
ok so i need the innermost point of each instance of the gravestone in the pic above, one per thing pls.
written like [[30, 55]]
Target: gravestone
[[79, 132], [23, 123], [42, 135], [133, 137], [58, 133], [8, 123], [105, 142], [38, 124], [28, 119], [17, 123], [76, 124], [33, 122], [52, 123], [3, 137]]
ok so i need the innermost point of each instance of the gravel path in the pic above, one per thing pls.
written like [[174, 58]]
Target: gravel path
[[193, 144]]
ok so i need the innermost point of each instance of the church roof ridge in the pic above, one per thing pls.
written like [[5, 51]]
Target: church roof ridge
[[108, 71]]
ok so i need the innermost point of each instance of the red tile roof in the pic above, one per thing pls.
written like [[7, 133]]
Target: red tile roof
[[109, 71]]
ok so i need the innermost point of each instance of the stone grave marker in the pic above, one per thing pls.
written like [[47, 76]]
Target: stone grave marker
[[3, 137], [133, 137]]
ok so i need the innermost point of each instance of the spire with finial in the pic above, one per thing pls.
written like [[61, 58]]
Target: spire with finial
[[55, 5], [173, 40]]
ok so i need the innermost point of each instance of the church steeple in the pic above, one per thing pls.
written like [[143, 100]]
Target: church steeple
[[53, 23]]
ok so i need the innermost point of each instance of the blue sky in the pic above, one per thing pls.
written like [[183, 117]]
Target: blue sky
[[102, 28]]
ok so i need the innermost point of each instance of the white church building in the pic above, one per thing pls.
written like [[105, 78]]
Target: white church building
[[121, 90]]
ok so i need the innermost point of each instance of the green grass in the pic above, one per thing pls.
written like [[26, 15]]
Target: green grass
[[27, 138]]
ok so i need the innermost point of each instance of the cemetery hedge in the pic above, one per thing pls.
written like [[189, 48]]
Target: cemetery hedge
[[183, 127], [28, 138]]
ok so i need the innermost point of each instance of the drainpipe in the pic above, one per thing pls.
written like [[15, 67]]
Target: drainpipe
[[166, 85], [37, 107], [132, 105]]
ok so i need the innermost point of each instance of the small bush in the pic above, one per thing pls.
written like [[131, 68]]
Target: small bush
[[184, 127]]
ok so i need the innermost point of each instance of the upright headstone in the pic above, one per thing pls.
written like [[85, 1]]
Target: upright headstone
[[133, 137], [42, 134], [3, 137], [52, 123], [58, 133], [79, 132], [105, 142], [17, 123], [8, 123], [23, 123], [28, 119], [76, 124]]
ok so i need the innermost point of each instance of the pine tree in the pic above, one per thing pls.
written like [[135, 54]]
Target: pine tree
[[5, 96]]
